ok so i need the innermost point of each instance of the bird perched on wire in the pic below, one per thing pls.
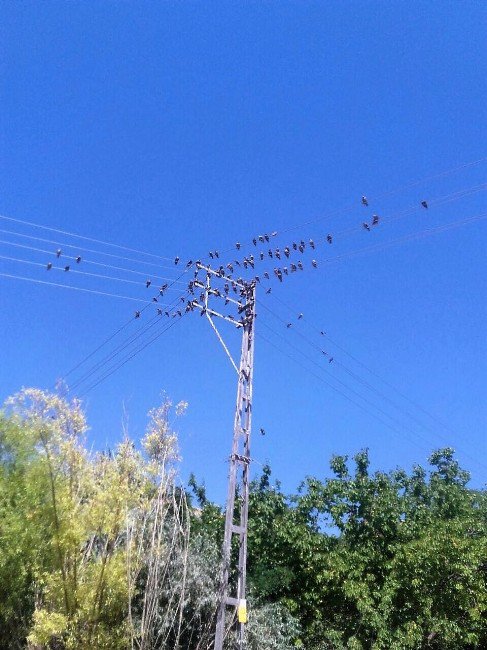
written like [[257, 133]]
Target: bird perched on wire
[[261, 255], [67, 267], [230, 268], [270, 253], [237, 246], [314, 264], [293, 268], [137, 314], [312, 244], [330, 359], [148, 283], [329, 239], [190, 263], [269, 290], [266, 275], [300, 266], [285, 270], [277, 253], [365, 201], [261, 238], [295, 246], [58, 252], [262, 431], [155, 299], [301, 248], [300, 316], [287, 251], [322, 333], [375, 219], [366, 226], [267, 238], [424, 204], [78, 259], [159, 312], [176, 260], [288, 325], [254, 241]]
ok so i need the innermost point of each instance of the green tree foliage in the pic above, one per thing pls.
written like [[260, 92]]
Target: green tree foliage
[[106, 551]]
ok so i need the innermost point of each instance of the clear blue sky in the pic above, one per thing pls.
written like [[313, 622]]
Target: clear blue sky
[[176, 128]]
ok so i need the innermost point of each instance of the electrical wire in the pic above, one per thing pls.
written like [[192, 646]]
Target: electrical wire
[[83, 237], [124, 345], [85, 261], [71, 270], [401, 431], [83, 248], [67, 286], [127, 359]]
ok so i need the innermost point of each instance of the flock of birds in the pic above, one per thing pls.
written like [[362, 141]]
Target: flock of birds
[[240, 286]]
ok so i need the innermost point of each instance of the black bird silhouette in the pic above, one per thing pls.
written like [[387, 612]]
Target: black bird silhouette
[[261, 238], [424, 204], [301, 248], [66, 268], [329, 239], [190, 262], [159, 312], [312, 244], [285, 270], [262, 431], [266, 237], [137, 314], [293, 268], [176, 260], [261, 256], [364, 201], [164, 287], [237, 263], [217, 254], [237, 246], [147, 283], [78, 259], [269, 290], [49, 266], [286, 251], [257, 279], [375, 219], [166, 313], [366, 226], [322, 333], [270, 252], [288, 325], [300, 316], [330, 359], [230, 268], [254, 241], [155, 299], [295, 246], [314, 263], [300, 266], [58, 252], [277, 253], [274, 233], [266, 275], [211, 254]]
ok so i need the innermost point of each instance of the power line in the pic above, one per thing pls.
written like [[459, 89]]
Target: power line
[[71, 270], [67, 286], [92, 239], [401, 431], [83, 248], [127, 359], [124, 345], [85, 261]]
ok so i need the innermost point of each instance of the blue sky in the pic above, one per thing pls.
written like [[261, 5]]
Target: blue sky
[[178, 128]]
